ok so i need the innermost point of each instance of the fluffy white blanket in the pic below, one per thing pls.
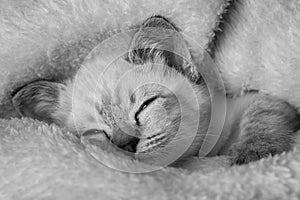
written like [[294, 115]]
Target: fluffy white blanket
[[49, 40]]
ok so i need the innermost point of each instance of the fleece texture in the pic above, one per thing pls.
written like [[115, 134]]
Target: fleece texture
[[49, 40], [42, 162], [259, 47]]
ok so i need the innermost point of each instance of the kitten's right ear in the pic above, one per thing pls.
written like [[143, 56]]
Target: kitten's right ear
[[39, 100], [158, 37]]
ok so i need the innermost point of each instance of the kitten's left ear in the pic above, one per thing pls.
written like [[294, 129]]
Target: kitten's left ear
[[159, 38], [39, 100]]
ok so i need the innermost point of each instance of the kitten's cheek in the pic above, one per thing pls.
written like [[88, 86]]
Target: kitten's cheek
[[155, 120]]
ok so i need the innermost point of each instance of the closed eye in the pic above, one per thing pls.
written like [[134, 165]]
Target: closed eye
[[143, 107]]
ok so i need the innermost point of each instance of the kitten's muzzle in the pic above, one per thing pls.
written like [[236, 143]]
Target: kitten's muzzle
[[125, 141]]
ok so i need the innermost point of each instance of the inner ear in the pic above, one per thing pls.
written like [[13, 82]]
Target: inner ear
[[159, 38], [39, 100]]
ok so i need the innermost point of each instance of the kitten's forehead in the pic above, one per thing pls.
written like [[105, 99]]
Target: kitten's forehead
[[125, 76], [116, 82], [149, 90]]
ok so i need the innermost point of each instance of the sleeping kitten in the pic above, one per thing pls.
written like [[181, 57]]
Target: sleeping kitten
[[152, 101]]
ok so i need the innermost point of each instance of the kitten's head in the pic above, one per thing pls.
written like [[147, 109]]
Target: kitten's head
[[141, 101]]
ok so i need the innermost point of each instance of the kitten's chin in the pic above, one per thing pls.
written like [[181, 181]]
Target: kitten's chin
[[151, 158], [149, 154]]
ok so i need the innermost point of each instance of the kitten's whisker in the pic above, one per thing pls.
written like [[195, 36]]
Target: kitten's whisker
[[183, 138]]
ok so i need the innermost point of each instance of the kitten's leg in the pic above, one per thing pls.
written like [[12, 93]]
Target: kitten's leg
[[268, 127]]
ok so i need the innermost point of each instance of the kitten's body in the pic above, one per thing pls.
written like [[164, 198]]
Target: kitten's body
[[165, 108]]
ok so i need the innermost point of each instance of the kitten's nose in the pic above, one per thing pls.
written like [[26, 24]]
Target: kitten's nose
[[125, 141]]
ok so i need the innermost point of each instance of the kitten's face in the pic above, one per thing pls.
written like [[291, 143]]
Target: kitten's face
[[142, 103]]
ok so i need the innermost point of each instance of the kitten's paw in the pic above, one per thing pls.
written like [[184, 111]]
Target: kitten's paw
[[243, 153], [267, 127]]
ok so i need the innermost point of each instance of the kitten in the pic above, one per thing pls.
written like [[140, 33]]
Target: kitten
[[144, 103]]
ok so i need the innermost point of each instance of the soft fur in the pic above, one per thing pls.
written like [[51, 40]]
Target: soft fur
[[38, 161]]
